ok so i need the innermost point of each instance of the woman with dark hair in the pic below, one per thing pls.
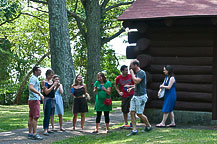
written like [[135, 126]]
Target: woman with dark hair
[[102, 88], [49, 89], [59, 109], [169, 85], [79, 91]]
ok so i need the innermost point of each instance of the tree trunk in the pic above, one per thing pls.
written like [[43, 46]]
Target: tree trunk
[[61, 56], [93, 40]]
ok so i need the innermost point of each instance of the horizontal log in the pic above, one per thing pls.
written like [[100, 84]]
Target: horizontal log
[[180, 51], [190, 43], [185, 78], [143, 44], [145, 60], [182, 69], [207, 88], [133, 37], [184, 96], [180, 105], [132, 52], [182, 60], [173, 39]]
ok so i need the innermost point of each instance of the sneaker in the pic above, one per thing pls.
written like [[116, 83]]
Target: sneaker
[[133, 133], [30, 136], [125, 126], [37, 137], [147, 129]]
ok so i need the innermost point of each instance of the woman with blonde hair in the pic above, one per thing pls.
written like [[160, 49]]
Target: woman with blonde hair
[[79, 91]]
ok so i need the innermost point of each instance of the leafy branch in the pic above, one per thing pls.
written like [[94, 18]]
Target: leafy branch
[[105, 40], [7, 21]]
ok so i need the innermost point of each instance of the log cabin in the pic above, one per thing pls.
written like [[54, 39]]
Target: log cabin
[[181, 33]]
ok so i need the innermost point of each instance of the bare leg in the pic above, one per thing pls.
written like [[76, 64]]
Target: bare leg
[[74, 120], [34, 125], [107, 126], [52, 121], [30, 124], [172, 118], [133, 119], [97, 126], [61, 121], [82, 120], [144, 119], [165, 115], [125, 118]]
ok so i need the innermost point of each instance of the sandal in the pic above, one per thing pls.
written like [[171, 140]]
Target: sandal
[[160, 125], [171, 125]]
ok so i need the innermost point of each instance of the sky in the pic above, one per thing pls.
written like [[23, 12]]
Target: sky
[[120, 49]]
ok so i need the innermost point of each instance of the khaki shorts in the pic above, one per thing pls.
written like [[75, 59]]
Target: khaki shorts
[[137, 103]]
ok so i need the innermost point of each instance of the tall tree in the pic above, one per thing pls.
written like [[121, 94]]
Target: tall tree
[[61, 56], [93, 27]]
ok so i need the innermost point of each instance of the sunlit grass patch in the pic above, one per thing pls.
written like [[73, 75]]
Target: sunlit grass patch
[[16, 116], [156, 136]]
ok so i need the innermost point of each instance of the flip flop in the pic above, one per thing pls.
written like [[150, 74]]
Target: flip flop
[[95, 131], [171, 125], [160, 125]]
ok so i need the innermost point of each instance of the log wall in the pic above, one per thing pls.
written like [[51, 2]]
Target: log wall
[[190, 51]]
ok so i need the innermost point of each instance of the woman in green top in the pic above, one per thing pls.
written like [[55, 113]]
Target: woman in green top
[[102, 88]]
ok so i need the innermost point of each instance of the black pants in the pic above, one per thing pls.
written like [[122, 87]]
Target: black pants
[[98, 117]]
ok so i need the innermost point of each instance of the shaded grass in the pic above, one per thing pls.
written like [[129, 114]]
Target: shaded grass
[[156, 136], [16, 116]]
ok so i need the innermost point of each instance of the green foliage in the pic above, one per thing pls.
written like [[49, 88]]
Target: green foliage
[[9, 9], [23, 41], [109, 64]]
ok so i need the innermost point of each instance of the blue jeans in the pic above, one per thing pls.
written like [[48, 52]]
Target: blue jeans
[[47, 113]]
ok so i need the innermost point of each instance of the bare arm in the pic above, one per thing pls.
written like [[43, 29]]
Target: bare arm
[[108, 90], [31, 87], [118, 90], [46, 90], [61, 89], [95, 90], [134, 78], [172, 80], [86, 94]]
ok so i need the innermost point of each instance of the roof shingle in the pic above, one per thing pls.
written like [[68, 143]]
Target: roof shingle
[[143, 9]]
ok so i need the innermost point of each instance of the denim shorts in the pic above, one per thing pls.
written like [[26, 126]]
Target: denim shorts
[[137, 103]]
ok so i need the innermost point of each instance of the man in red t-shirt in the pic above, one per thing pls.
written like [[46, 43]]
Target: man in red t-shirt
[[124, 86]]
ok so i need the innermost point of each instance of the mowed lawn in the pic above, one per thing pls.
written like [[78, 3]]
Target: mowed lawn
[[16, 116], [156, 136]]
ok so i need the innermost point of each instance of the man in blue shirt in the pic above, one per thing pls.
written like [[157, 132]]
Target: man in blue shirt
[[34, 103], [137, 103]]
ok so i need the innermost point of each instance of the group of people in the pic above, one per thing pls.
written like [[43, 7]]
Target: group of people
[[131, 87]]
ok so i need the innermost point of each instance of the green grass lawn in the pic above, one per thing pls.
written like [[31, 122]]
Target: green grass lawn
[[16, 116], [156, 136]]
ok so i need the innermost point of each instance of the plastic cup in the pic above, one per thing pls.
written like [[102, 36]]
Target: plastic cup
[[125, 89], [101, 86], [72, 90], [46, 84]]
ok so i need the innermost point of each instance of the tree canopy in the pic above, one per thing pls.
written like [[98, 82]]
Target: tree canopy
[[92, 24]]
